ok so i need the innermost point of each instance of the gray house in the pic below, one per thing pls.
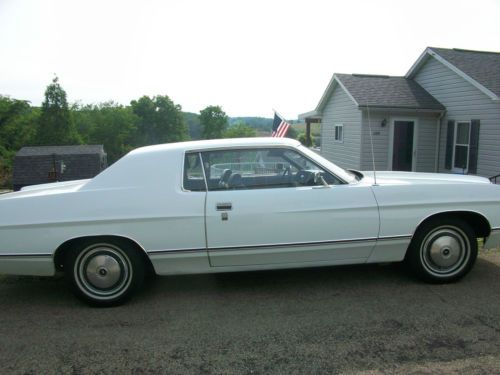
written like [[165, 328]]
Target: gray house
[[443, 116], [44, 164]]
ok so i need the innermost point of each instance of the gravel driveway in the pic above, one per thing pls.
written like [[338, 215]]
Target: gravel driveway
[[363, 319]]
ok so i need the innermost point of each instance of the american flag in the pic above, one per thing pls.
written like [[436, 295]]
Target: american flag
[[280, 127]]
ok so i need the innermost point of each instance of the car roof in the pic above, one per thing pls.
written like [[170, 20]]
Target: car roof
[[218, 143]]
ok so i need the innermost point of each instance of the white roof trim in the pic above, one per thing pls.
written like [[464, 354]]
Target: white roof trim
[[310, 114], [329, 89], [429, 52], [216, 143]]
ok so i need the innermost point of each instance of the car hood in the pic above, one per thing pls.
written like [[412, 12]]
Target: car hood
[[413, 178], [45, 189]]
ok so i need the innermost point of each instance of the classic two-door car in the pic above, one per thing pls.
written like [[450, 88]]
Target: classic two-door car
[[239, 205]]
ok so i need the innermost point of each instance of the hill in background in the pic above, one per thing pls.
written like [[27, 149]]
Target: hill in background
[[262, 125]]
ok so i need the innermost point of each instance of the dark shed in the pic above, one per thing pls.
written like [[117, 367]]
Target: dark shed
[[44, 164]]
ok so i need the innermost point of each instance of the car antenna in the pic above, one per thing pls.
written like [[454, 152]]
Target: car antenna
[[371, 142]]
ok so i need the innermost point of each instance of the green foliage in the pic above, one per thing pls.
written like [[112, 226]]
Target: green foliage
[[194, 125], [160, 120], [56, 126], [17, 123], [264, 125], [214, 122], [119, 128], [258, 123], [315, 140], [315, 128], [240, 130], [302, 138], [17, 128], [292, 133], [110, 124]]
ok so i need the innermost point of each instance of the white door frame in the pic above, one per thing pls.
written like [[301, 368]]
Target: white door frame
[[415, 140]]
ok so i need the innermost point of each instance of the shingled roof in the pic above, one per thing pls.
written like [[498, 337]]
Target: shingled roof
[[387, 92], [480, 68], [483, 67], [61, 150]]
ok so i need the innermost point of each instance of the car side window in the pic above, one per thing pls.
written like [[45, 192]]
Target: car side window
[[262, 169], [193, 173]]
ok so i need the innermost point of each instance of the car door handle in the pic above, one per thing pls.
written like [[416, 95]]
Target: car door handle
[[225, 206]]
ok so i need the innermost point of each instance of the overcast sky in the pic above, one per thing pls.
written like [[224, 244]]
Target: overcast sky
[[247, 56]]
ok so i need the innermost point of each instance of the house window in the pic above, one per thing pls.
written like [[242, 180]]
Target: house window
[[461, 146], [339, 133]]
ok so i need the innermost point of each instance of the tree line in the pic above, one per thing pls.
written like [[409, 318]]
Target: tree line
[[120, 128]]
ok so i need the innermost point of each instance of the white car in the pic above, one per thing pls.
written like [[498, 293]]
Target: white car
[[238, 205]]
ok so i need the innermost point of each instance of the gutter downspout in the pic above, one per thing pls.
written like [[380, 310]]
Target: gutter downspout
[[438, 141]]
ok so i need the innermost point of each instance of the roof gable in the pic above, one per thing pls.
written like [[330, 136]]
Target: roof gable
[[481, 69], [334, 82], [381, 92]]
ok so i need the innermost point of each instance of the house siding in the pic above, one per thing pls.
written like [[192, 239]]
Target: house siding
[[340, 109], [380, 136], [426, 139], [464, 102], [426, 146]]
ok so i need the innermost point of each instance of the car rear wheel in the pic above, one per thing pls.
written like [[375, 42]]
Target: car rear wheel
[[104, 273], [443, 250]]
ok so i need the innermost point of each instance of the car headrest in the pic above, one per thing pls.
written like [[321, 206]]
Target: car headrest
[[224, 178]]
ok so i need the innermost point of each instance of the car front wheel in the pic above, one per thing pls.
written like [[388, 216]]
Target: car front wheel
[[104, 273], [443, 250]]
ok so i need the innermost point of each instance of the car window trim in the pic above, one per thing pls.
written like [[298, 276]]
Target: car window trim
[[249, 147], [183, 188]]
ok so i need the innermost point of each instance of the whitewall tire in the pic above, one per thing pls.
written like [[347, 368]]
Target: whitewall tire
[[104, 273], [442, 250]]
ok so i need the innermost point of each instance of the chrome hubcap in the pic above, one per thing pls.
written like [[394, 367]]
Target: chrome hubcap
[[445, 251], [103, 271]]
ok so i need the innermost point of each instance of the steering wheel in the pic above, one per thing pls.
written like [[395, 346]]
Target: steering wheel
[[303, 177]]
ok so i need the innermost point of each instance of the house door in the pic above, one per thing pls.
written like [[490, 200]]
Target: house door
[[403, 145]]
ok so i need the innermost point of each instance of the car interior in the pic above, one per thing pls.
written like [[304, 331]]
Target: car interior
[[277, 171]]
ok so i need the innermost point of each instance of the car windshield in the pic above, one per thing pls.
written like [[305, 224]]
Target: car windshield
[[339, 172]]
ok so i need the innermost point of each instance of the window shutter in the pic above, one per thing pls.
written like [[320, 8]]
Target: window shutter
[[474, 146], [449, 144]]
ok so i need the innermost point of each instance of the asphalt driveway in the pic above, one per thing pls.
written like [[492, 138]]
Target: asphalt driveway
[[362, 319]]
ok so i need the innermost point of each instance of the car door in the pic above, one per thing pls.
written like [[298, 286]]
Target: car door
[[264, 208]]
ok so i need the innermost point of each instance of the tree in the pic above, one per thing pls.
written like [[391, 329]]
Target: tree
[[160, 121], [17, 129], [302, 138], [56, 126], [213, 122], [193, 123], [240, 130], [17, 123], [110, 124], [292, 133]]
